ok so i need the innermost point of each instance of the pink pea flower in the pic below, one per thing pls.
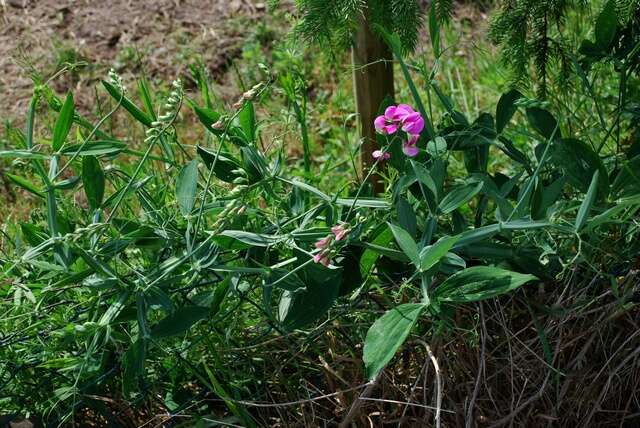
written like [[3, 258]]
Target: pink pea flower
[[321, 258], [413, 123], [379, 154], [339, 231], [400, 112], [410, 147], [323, 243], [388, 122]]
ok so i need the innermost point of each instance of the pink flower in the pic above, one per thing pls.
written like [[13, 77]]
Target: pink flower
[[379, 154], [339, 231], [413, 123], [387, 123], [410, 147], [323, 243], [398, 113], [321, 258]]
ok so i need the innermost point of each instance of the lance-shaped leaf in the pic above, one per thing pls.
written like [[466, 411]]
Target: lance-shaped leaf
[[93, 181], [63, 124], [387, 334], [479, 283], [187, 186]]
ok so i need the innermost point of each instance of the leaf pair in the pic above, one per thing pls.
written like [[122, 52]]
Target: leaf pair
[[390, 331]]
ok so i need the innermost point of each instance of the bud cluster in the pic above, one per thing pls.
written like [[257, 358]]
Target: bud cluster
[[172, 106]]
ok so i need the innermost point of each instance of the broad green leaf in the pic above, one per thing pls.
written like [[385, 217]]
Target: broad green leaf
[[369, 257], [225, 164], [587, 203], [128, 105], [298, 309], [179, 322], [63, 124], [479, 283], [187, 187], [93, 181], [406, 216], [285, 280], [506, 109], [406, 243], [133, 365], [437, 147], [459, 196], [544, 123], [387, 334], [606, 26], [431, 255], [254, 163], [580, 162]]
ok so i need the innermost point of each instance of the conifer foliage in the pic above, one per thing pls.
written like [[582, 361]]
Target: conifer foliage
[[336, 21]]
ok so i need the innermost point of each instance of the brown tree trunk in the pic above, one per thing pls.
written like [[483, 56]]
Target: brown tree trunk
[[372, 82]]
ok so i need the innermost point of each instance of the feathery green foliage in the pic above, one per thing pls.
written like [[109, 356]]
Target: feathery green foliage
[[335, 21], [530, 33]]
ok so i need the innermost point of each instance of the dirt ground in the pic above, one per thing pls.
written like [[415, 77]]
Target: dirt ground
[[43, 36]]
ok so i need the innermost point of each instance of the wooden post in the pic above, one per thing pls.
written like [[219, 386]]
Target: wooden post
[[372, 82]]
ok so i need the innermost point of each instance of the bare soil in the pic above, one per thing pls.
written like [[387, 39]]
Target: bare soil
[[43, 36]]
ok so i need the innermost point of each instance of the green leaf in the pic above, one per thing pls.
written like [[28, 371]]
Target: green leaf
[[544, 123], [133, 365], [250, 239], [308, 188], [129, 106], [179, 322], [247, 119], [459, 196], [406, 243], [25, 184], [428, 186], [375, 203], [479, 283], [587, 203], [431, 255], [187, 187], [25, 154], [224, 165], [406, 216], [580, 162], [538, 209], [369, 257], [506, 109], [93, 181], [63, 124], [387, 334], [95, 148], [606, 26], [437, 147], [297, 309]]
